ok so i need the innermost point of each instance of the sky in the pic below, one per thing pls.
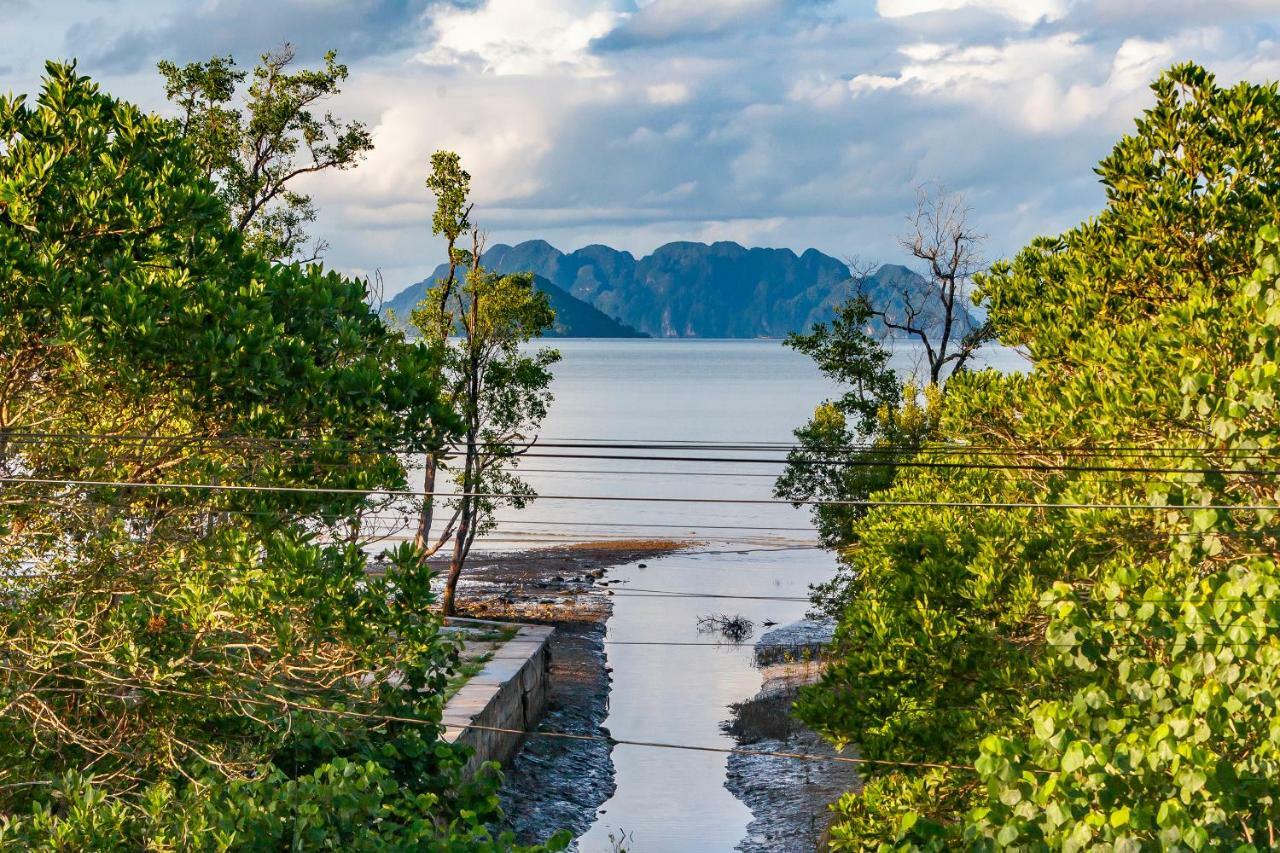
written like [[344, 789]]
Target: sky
[[785, 123]]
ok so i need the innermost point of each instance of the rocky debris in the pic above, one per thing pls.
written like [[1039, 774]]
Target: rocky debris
[[788, 797]]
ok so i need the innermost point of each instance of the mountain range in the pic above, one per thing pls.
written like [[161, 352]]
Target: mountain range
[[685, 289]]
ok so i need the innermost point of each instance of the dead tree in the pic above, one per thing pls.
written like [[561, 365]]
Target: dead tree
[[951, 251]]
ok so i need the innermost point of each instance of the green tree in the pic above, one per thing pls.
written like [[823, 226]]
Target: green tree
[[256, 149], [1090, 676], [816, 468], [451, 185], [501, 391], [201, 667]]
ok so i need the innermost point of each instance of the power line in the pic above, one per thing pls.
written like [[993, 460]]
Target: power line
[[627, 592], [641, 499], [281, 702], [386, 445], [409, 517], [888, 459], [654, 473], [915, 463]]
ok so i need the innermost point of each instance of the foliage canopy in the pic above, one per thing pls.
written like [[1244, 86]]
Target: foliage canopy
[[1097, 677], [501, 391], [256, 148], [201, 668]]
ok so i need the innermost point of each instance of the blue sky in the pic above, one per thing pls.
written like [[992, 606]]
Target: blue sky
[[634, 122]]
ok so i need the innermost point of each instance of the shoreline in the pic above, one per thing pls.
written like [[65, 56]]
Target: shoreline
[[559, 783], [789, 799]]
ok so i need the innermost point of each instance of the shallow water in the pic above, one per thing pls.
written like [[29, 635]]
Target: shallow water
[[673, 390], [672, 799]]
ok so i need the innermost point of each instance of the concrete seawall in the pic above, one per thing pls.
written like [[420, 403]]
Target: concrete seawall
[[509, 693]]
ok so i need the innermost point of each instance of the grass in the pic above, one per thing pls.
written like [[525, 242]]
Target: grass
[[492, 635], [471, 666], [469, 670]]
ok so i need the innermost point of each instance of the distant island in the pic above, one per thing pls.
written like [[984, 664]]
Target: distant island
[[574, 317], [685, 289]]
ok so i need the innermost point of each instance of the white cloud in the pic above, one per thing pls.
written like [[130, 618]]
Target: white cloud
[[665, 20], [644, 135], [1049, 84], [873, 82], [520, 37], [667, 93], [786, 122], [823, 91], [503, 128], [680, 191], [1024, 11]]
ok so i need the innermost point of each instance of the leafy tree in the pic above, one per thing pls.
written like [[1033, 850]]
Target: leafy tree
[[501, 391], [201, 667], [451, 185], [816, 469], [256, 150], [1090, 676]]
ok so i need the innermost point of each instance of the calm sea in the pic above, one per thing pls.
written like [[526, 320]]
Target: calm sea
[[647, 391]]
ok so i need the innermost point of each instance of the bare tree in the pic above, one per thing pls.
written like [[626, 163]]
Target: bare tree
[[939, 235]]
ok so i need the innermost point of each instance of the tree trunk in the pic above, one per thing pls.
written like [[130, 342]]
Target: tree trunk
[[460, 539], [449, 604], [428, 505], [471, 468]]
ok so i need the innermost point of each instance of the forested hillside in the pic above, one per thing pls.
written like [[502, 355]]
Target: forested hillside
[[574, 318]]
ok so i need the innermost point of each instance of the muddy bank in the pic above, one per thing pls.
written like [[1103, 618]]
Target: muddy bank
[[788, 797], [559, 783], [565, 583]]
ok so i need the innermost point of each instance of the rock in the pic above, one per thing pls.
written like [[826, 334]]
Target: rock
[[801, 640]]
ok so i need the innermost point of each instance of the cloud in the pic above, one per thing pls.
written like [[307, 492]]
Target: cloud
[[667, 93], [134, 40], [502, 127], [1049, 84], [663, 21], [519, 37], [635, 122], [1147, 16], [1024, 11]]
